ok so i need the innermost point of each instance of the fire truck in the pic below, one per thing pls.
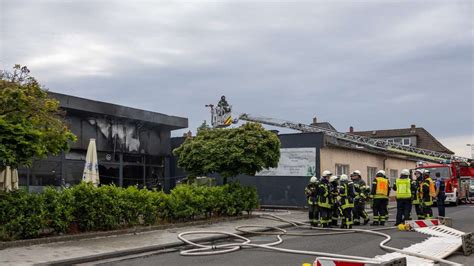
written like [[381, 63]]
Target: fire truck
[[458, 177]]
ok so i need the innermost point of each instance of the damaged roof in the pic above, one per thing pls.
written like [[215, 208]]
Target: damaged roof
[[70, 102]]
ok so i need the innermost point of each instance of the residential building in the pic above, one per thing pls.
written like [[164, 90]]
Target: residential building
[[412, 136]]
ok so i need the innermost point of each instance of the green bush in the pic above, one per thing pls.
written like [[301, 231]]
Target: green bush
[[87, 208], [22, 215], [59, 209]]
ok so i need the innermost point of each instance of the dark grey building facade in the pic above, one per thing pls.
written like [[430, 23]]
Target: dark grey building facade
[[133, 145], [278, 189]]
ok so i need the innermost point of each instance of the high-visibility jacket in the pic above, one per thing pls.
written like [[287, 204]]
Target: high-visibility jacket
[[432, 188], [403, 186], [324, 197], [380, 188], [346, 191]]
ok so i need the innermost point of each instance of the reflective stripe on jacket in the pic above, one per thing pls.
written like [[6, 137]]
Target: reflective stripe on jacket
[[323, 194]]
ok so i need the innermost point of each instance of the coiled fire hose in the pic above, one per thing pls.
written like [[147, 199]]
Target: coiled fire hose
[[201, 249]]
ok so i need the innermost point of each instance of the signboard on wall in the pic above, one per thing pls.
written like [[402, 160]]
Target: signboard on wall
[[293, 162]]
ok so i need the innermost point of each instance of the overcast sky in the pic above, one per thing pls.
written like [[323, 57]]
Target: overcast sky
[[368, 64]]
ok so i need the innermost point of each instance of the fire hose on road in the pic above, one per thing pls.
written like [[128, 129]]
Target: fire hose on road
[[202, 249]]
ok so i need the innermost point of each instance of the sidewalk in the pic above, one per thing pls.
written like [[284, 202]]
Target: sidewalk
[[159, 239]]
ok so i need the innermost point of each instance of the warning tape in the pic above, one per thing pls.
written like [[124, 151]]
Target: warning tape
[[423, 223]]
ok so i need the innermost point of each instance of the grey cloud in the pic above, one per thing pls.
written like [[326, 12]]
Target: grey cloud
[[371, 65]]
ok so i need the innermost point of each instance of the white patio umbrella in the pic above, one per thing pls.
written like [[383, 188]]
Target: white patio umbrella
[[9, 179], [91, 168]]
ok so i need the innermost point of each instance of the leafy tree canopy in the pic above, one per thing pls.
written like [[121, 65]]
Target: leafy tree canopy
[[229, 152], [31, 123]]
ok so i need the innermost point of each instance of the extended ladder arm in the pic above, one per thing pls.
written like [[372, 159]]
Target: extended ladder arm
[[378, 144]]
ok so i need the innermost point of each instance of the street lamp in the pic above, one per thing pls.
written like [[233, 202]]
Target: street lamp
[[472, 149]]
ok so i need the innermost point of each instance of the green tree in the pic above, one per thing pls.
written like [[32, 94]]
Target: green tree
[[229, 152], [31, 123]]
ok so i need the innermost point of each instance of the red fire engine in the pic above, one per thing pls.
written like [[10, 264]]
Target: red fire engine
[[459, 178]]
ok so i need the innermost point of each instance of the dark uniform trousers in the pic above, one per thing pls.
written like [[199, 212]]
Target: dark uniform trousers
[[403, 210], [380, 209], [359, 210]]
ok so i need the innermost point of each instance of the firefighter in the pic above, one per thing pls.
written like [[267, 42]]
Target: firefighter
[[223, 104], [359, 199], [380, 190], [324, 199], [311, 192], [347, 194], [335, 211], [428, 191], [405, 192], [416, 182]]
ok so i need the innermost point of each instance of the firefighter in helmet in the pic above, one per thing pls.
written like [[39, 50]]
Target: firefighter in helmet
[[346, 193], [416, 183], [324, 199], [311, 192], [223, 104], [428, 191], [335, 207], [380, 190], [360, 198], [405, 192]]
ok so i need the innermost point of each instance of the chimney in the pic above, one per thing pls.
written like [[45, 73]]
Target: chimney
[[413, 128], [315, 120], [351, 129]]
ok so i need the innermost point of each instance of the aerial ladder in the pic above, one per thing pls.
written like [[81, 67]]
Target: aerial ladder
[[221, 117]]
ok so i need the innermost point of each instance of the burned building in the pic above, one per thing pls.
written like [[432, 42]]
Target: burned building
[[133, 145]]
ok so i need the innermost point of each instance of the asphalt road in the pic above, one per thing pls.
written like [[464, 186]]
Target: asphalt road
[[350, 244]]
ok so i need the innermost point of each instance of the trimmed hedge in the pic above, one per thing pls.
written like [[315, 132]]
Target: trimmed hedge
[[87, 208]]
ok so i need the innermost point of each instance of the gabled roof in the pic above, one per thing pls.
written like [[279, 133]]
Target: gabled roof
[[424, 139]]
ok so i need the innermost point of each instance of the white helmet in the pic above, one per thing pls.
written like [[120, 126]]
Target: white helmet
[[405, 172], [356, 172], [326, 173], [381, 172], [333, 178], [344, 177], [313, 179]]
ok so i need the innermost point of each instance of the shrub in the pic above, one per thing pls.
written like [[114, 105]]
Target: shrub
[[22, 215], [138, 206], [59, 208], [88, 208], [96, 208]]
